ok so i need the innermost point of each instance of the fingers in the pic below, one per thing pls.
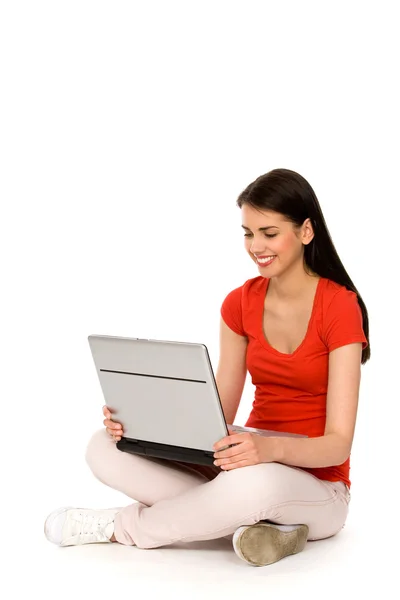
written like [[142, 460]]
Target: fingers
[[230, 452], [231, 440], [107, 412], [112, 424], [236, 465], [115, 432], [116, 435], [114, 429]]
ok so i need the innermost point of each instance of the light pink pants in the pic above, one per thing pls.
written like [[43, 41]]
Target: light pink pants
[[177, 502]]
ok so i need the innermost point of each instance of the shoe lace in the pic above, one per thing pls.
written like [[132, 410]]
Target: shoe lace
[[89, 524]]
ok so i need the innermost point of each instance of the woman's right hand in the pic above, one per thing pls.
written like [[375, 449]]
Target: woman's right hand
[[114, 429]]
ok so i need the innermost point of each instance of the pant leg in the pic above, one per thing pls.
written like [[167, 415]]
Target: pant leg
[[243, 496], [144, 479]]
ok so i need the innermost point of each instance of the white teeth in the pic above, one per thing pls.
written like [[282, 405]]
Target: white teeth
[[265, 260]]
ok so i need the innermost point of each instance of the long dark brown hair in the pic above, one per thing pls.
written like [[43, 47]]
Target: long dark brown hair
[[288, 193]]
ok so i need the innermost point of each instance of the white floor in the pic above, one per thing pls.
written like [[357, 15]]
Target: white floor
[[47, 474], [325, 569], [356, 561]]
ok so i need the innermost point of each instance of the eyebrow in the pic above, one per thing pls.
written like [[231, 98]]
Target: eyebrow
[[261, 228]]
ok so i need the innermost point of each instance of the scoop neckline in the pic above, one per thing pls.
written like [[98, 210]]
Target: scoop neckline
[[263, 340]]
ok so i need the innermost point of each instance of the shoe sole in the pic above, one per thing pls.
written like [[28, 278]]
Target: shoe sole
[[263, 544]]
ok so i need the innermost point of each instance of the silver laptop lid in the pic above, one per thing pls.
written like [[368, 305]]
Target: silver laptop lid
[[160, 391]]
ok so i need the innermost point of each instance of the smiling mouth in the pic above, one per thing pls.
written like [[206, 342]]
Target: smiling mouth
[[265, 261]]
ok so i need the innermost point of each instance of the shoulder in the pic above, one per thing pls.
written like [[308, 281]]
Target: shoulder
[[342, 321], [335, 297], [234, 306], [248, 288]]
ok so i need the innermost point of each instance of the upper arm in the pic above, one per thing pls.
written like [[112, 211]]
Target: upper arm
[[231, 371], [343, 390]]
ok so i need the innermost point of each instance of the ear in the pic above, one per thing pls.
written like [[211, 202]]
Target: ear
[[307, 232]]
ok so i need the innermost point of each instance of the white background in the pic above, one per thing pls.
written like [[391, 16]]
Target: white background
[[128, 129]]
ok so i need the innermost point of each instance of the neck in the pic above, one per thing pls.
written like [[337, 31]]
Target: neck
[[292, 284]]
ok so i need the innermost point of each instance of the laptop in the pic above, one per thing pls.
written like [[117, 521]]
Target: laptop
[[165, 396]]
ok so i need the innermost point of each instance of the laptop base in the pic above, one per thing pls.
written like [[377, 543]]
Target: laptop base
[[152, 449]]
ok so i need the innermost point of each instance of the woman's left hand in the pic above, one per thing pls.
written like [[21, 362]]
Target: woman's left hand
[[251, 449]]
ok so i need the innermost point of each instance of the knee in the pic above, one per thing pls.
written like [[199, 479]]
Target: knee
[[99, 444]]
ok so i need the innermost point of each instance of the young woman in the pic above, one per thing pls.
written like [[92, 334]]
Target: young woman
[[301, 329]]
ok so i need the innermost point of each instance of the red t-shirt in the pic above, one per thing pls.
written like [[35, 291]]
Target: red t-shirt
[[291, 389]]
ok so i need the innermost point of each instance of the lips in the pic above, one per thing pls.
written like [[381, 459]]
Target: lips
[[266, 262]]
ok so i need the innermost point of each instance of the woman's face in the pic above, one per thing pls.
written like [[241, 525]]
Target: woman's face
[[271, 241]]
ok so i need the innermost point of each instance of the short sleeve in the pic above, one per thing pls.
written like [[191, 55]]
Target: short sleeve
[[231, 311], [343, 323]]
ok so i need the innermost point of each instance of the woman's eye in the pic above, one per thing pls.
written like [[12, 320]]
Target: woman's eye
[[268, 235]]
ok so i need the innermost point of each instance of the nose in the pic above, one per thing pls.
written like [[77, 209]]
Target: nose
[[257, 247]]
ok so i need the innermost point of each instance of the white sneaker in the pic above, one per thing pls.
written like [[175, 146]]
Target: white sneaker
[[74, 526], [265, 543]]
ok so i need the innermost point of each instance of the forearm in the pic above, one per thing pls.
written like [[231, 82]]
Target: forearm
[[229, 409], [325, 451]]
